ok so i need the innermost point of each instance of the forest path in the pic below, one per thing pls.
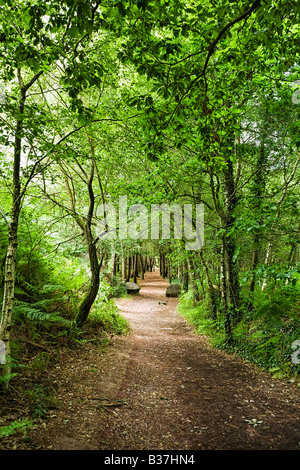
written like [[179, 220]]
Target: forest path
[[170, 391]]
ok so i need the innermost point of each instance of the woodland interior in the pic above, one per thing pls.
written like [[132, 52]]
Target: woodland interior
[[190, 112]]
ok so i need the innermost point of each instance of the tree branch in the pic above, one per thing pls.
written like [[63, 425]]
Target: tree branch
[[212, 48]]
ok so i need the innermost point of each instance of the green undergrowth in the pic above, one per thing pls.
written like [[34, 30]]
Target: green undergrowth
[[266, 335], [43, 325], [20, 425], [105, 315], [198, 316]]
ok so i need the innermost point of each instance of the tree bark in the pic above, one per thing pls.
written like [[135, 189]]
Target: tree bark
[[86, 304], [129, 269], [142, 266], [227, 319], [259, 186], [185, 276], [211, 290], [10, 262], [123, 269], [135, 269], [192, 281], [230, 246]]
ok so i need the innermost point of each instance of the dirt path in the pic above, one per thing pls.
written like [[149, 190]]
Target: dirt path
[[170, 391]]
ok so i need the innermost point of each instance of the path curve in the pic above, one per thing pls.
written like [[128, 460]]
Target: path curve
[[171, 391]]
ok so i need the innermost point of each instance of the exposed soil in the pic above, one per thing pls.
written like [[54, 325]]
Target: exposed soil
[[162, 387]]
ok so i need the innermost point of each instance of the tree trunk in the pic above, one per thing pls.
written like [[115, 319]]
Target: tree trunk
[[142, 267], [163, 266], [170, 274], [9, 287], [135, 269], [227, 319], [86, 304], [129, 269], [192, 282], [113, 261], [230, 246], [123, 265], [185, 276], [10, 262], [86, 224], [211, 290], [259, 186]]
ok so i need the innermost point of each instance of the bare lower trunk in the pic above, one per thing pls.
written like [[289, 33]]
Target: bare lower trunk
[[258, 191], [9, 290], [211, 290], [142, 267], [233, 292], [227, 320], [185, 276], [192, 280], [10, 263], [128, 269], [135, 269], [268, 261], [86, 304], [123, 264]]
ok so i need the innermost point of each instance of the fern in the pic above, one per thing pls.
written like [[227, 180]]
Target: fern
[[15, 426], [43, 304], [7, 377], [37, 315], [20, 291], [52, 288], [29, 287]]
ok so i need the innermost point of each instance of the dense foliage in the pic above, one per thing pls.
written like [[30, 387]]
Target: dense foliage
[[162, 102]]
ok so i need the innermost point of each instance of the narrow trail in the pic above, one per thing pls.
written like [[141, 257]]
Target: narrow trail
[[163, 387]]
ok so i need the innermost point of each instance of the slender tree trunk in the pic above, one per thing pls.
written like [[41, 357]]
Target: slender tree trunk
[[192, 281], [268, 261], [142, 267], [165, 265], [135, 269], [129, 269], [170, 274], [211, 290], [163, 269], [113, 261], [95, 266], [9, 286], [185, 276], [227, 319], [230, 246], [259, 186], [123, 269], [89, 299], [10, 262]]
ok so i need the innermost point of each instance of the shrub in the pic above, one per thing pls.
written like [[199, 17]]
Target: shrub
[[106, 315]]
